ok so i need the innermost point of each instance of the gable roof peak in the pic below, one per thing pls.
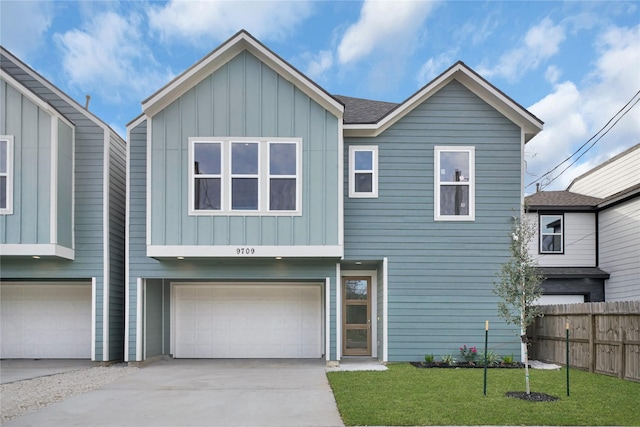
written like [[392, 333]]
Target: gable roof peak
[[239, 42]]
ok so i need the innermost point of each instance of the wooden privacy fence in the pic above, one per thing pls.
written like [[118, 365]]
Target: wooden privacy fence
[[604, 337]]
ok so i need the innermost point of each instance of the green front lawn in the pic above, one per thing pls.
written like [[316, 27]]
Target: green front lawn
[[405, 395]]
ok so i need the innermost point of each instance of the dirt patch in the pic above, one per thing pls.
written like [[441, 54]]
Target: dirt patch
[[533, 397]]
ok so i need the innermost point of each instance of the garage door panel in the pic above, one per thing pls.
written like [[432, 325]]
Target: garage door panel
[[45, 320], [239, 321]]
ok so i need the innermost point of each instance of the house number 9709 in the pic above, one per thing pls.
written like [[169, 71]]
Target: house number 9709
[[245, 251]]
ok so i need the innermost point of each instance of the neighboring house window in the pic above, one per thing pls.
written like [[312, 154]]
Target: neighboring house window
[[6, 174], [551, 234], [363, 171], [454, 193], [244, 176]]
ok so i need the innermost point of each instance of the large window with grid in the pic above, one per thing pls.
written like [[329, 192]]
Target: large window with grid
[[244, 176]]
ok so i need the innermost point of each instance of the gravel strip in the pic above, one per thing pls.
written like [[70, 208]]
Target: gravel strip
[[20, 397]]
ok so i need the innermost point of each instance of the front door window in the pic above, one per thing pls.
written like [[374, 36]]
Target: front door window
[[356, 322]]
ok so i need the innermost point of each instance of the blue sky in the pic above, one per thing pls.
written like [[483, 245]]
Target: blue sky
[[573, 64]]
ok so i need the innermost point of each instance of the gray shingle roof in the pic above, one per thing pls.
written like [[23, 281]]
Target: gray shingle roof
[[361, 111], [560, 199], [572, 272]]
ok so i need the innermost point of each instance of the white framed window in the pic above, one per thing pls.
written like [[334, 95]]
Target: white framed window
[[454, 192], [363, 171], [244, 176], [551, 234], [6, 174]]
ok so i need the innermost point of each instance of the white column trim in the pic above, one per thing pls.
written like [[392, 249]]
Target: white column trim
[[385, 308], [139, 318], [93, 318], [327, 287], [338, 313]]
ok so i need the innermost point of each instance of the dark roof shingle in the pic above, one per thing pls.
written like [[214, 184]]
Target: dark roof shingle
[[572, 272], [560, 199], [364, 111]]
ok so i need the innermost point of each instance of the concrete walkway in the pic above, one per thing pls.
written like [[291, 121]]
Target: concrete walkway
[[203, 393]]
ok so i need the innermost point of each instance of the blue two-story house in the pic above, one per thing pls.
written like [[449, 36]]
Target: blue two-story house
[[62, 213], [267, 218]]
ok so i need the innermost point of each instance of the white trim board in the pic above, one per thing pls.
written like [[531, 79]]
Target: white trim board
[[244, 251], [18, 249]]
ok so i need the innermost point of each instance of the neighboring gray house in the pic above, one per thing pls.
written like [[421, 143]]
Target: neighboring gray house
[[62, 213], [268, 218], [588, 243]]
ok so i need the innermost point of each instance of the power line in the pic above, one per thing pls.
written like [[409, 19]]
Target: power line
[[606, 128]]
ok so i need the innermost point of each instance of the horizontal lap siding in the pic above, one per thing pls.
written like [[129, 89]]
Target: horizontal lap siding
[[117, 200], [579, 242], [244, 98], [620, 250], [440, 274], [89, 208]]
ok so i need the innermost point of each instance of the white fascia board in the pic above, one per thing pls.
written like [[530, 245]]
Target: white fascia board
[[18, 249], [106, 231], [46, 83], [471, 81], [244, 251], [41, 103], [222, 55]]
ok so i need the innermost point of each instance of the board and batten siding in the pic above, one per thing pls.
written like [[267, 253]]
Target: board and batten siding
[[613, 176], [206, 269], [88, 222], [440, 273], [579, 242], [620, 250], [244, 98], [30, 127]]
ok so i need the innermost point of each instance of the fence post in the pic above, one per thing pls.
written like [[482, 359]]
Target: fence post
[[592, 342], [622, 354]]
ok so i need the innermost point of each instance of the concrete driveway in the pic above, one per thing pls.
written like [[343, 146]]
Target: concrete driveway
[[23, 369], [203, 393]]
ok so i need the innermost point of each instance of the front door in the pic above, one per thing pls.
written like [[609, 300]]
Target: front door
[[356, 323]]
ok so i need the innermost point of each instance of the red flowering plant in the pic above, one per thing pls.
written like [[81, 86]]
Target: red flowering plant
[[468, 354]]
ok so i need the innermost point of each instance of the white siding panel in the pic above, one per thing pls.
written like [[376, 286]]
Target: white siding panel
[[579, 242], [620, 251], [618, 175]]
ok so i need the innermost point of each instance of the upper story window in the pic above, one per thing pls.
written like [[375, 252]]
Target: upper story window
[[363, 171], [244, 176], [454, 193], [551, 234], [6, 174]]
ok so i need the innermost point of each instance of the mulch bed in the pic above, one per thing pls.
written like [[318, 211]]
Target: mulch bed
[[532, 397], [466, 365]]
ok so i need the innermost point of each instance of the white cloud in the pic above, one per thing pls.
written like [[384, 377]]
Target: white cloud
[[109, 59], [572, 115], [23, 25], [553, 73], [541, 42], [197, 20], [383, 25], [434, 66], [318, 64]]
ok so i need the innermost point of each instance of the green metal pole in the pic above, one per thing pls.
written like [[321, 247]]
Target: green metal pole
[[567, 359], [486, 346]]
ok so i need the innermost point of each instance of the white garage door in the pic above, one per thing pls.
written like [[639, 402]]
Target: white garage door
[[45, 321], [247, 321], [560, 299]]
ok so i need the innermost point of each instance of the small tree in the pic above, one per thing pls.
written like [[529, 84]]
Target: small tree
[[518, 285]]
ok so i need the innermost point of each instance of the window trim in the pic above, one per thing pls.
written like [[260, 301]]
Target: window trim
[[437, 150], [226, 176], [540, 234], [8, 209], [373, 194]]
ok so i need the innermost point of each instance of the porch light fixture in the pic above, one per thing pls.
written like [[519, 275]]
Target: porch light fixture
[[35, 257], [278, 257], [358, 262], [180, 257]]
